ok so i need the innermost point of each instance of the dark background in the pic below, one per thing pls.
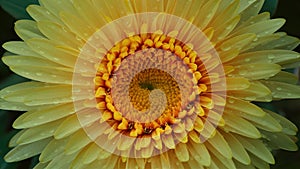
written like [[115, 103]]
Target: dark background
[[288, 9]]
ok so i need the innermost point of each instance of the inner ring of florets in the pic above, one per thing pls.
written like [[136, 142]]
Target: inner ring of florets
[[150, 89], [148, 86]]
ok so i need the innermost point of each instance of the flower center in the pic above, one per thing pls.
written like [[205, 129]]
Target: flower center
[[154, 90], [146, 83]]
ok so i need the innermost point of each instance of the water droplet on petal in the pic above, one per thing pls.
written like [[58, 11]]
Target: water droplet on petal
[[247, 60], [242, 72], [39, 74], [231, 100]]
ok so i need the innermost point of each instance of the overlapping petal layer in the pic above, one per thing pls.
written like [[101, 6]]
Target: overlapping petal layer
[[227, 131]]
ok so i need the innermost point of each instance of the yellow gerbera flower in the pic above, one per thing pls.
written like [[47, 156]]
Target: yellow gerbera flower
[[150, 84]]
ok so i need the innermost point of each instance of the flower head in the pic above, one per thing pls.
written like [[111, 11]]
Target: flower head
[[151, 84]]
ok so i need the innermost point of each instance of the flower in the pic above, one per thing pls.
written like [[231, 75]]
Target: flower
[[155, 84]]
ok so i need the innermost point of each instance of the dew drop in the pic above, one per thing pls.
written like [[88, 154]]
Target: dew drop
[[271, 56], [64, 29], [231, 100], [78, 38], [41, 117], [242, 72], [197, 157], [39, 74], [229, 27], [247, 60], [251, 1], [279, 88], [56, 59], [226, 48]]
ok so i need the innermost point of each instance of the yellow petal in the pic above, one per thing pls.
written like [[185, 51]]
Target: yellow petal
[[258, 163], [206, 13], [237, 43], [53, 51], [238, 151], [265, 122], [57, 161], [219, 158], [106, 11], [174, 161], [250, 8], [77, 142], [279, 41], [256, 92], [226, 14], [262, 43], [55, 7], [28, 61], [44, 115], [266, 56], [243, 166], [88, 11], [20, 48], [237, 83], [200, 152], [218, 140], [228, 55], [91, 153], [256, 71], [168, 140], [77, 25], [26, 151], [181, 152], [19, 88], [7, 105], [285, 77], [27, 29], [60, 34], [236, 124], [255, 19], [155, 162], [109, 163], [131, 163], [53, 149], [68, 127], [283, 90], [41, 165], [165, 161], [280, 140], [44, 74], [238, 105], [40, 13], [194, 9], [38, 133], [256, 147], [287, 126], [40, 95], [14, 139], [261, 28], [178, 10], [222, 31]]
